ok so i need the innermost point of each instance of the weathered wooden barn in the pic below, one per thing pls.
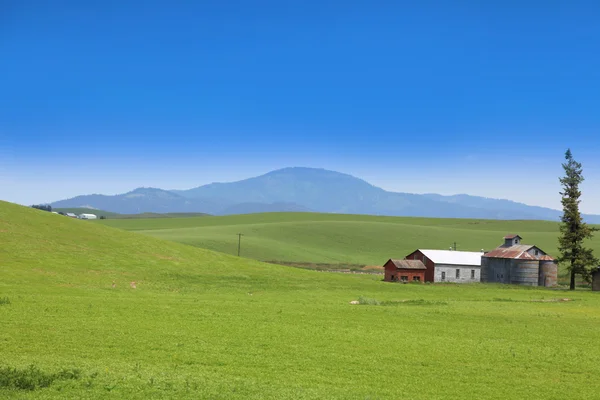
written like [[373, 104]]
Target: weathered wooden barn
[[449, 265], [596, 279], [519, 264], [404, 271]]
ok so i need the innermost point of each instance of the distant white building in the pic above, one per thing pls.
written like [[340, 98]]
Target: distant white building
[[88, 216], [449, 265]]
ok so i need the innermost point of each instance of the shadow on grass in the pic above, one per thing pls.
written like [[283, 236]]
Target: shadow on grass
[[411, 302]]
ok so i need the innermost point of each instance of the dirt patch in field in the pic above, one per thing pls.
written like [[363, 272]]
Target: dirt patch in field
[[170, 258], [43, 272], [377, 268], [551, 300], [332, 267]]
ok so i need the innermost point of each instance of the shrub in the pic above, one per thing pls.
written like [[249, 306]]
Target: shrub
[[4, 300], [32, 378], [367, 301]]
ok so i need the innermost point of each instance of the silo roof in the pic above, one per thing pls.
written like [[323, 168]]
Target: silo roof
[[519, 251]]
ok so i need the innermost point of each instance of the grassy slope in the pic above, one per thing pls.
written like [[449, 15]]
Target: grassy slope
[[342, 238], [207, 325]]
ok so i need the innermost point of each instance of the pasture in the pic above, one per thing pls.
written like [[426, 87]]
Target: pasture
[[202, 324], [340, 239]]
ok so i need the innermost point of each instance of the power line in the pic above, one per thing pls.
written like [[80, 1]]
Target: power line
[[239, 242]]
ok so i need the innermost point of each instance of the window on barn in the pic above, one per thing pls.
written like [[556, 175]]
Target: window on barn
[[443, 276], [404, 278], [416, 278], [537, 253], [393, 277], [457, 273], [472, 274]]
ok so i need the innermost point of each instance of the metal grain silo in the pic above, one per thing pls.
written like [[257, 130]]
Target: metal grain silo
[[548, 273], [525, 272]]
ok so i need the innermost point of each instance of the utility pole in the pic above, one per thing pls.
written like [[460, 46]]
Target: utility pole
[[239, 242]]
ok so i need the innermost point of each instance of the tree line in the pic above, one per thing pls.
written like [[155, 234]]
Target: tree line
[[43, 207]]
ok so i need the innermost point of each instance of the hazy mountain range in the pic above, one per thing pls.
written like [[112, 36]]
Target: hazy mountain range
[[310, 189]]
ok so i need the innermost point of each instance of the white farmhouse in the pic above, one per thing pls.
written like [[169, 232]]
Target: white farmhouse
[[449, 265]]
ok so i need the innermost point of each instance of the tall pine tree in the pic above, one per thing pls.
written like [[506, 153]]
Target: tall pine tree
[[573, 230]]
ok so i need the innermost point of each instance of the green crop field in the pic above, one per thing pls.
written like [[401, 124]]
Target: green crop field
[[206, 325], [334, 238]]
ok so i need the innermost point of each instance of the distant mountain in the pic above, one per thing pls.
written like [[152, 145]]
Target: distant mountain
[[139, 201], [311, 189]]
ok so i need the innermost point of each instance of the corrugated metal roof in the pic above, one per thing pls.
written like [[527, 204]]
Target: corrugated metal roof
[[409, 264], [519, 251], [452, 257], [512, 236], [509, 252]]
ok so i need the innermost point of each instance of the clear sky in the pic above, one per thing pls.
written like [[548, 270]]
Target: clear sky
[[477, 97]]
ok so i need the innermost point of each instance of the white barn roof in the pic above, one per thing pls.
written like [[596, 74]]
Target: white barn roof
[[452, 257]]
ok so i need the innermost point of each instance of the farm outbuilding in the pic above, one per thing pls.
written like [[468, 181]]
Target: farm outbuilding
[[449, 265], [519, 264], [404, 271], [596, 280], [88, 216]]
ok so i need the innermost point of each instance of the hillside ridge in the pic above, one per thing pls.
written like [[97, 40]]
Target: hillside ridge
[[311, 189]]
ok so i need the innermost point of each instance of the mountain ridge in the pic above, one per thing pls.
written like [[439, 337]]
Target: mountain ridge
[[311, 189]]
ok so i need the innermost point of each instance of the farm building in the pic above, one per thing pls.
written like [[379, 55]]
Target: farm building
[[88, 216], [519, 264], [449, 265], [404, 271], [596, 280], [71, 215]]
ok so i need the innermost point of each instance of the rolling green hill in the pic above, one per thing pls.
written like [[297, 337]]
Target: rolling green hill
[[201, 324], [335, 238]]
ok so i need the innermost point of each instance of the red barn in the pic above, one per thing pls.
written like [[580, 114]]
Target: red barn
[[404, 271]]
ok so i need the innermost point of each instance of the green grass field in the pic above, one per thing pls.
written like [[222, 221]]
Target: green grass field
[[334, 238], [206, 325]]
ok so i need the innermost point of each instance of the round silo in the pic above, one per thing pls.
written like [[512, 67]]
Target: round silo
[[548, 273], [525, 272]]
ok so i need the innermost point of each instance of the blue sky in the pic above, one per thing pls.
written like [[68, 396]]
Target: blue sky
[[435, 96]]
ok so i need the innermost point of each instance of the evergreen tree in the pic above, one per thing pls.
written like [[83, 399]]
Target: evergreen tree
[[573, 230]]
